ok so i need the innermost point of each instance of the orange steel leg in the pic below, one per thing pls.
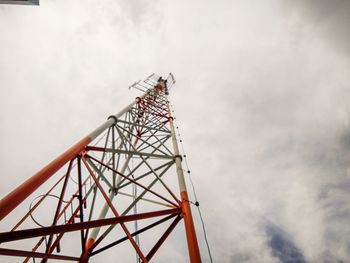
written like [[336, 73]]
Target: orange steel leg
[[190, 230], [17, 196], [192, 243]]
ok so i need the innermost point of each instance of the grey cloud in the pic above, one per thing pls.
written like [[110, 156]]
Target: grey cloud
[[330, 18], [261, 99], [282, 246]]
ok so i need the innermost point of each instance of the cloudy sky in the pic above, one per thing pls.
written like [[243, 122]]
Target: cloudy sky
[[262, 101]]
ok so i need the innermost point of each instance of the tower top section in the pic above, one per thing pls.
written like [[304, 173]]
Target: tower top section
[[155, 81]]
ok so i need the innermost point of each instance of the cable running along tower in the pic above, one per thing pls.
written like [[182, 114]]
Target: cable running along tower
[[113, 188]]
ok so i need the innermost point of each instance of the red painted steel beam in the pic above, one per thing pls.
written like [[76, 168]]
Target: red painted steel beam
[[163, 238], [41, 240], [81, 202], [192, 242], [58, 208], [132, 180], [37, 204], [35, 232], [22, 253], [123, 226], [60, 235], [70, 220], [133, 234], [17, 196]]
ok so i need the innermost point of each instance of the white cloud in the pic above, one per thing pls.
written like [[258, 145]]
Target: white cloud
[[261, 99]]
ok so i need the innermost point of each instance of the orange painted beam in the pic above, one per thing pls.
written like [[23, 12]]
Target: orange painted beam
[[18, 195], [192, 243]]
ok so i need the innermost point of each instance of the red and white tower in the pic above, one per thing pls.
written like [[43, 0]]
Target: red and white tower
[[116, 184]]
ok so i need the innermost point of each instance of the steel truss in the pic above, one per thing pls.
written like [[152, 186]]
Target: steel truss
[[116, 180]]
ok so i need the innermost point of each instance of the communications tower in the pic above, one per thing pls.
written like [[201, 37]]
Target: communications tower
[[113, 187]]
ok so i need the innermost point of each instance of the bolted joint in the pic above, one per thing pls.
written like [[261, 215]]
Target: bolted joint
[[82, 153], [178, 156], [138, 99], [114, 118], [114, 190], [170, 119]]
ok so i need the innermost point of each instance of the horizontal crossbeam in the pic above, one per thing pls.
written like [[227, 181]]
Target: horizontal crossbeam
[[35, 232], [101, 149], [145, 126], [31, 254]]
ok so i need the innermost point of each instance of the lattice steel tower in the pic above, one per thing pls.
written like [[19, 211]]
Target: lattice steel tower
[[114, 185]]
